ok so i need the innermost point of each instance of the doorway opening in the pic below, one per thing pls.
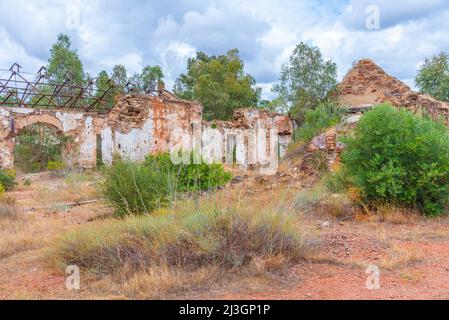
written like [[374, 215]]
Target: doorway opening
[[37, 147]]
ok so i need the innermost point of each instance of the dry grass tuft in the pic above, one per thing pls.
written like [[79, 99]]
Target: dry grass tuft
[[170, 252], [322, 203], [8, 208], [400, 257], [75, 189], [157, 282], [14, 234], [397, 215]]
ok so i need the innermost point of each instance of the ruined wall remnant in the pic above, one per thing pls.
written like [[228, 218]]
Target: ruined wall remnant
[[78, 125], [143, 124], [140, 125], [368, 84], [255, 139]]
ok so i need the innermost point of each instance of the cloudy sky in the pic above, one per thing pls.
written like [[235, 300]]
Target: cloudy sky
[[397, 34]]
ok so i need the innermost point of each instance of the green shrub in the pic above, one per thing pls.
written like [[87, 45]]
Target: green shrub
[[191, 177], [339, 181], [136, 189], [397, 157], [55, 166], [211, 236], [324, 116], [8, 179], [141, 188]]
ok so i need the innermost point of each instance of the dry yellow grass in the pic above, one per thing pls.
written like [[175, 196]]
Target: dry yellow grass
[[155, 283], [400, 256], [21, 231]]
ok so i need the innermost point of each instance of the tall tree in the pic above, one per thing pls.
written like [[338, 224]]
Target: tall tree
[[433, 77], [306, 80], [120, 77], [219, 83], [101, 82], [64, 61], [151, 75]]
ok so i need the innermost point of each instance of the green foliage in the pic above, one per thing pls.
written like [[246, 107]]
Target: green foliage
[[137, 189], [150, 76], [27, 182], [64, 59], [305, 81], [7, 180], [120, 77], [219, 83], [339, 181], [315, 120], [2, 189], [433, 77], [141, 188], [36, 146], [55, 166], [397, 157], [229, 238], [146, 80]]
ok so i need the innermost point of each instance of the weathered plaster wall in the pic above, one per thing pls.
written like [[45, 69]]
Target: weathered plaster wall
[[260, 139], [80, 152], [142, 124]]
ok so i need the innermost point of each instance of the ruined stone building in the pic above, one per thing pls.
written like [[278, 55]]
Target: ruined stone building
[[364, 86], [140, 125]]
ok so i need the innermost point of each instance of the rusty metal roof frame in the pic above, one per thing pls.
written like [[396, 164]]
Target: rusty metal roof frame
[[37, 90]]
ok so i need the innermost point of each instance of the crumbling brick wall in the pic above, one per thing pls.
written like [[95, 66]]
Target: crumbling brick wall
[[140, 125], [259, 138], [367, 84], [81, 127]]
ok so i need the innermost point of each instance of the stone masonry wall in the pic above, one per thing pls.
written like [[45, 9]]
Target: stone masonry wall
[[140, 125], [367, 84]]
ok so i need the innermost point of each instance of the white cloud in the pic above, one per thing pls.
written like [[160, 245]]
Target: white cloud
[[169, 32]]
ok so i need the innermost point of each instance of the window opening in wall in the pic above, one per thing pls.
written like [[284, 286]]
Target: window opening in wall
[[99, 150], [231, 149]]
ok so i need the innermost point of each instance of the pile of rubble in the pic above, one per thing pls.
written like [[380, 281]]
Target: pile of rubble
[[367, 84]]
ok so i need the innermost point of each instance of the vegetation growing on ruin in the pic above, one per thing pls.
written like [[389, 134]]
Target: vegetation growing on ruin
[[37, 146], [395, 156], [315, 120]]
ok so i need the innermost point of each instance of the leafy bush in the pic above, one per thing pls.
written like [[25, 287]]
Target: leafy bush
[[211, 236], [338, 181], [140, 188], [55, 166], [324, 116], [7, 179], [397, 157], [190, 177], [136, 189], [37, 146]]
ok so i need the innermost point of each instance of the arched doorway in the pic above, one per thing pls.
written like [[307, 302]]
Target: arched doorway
[[37, 145]]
